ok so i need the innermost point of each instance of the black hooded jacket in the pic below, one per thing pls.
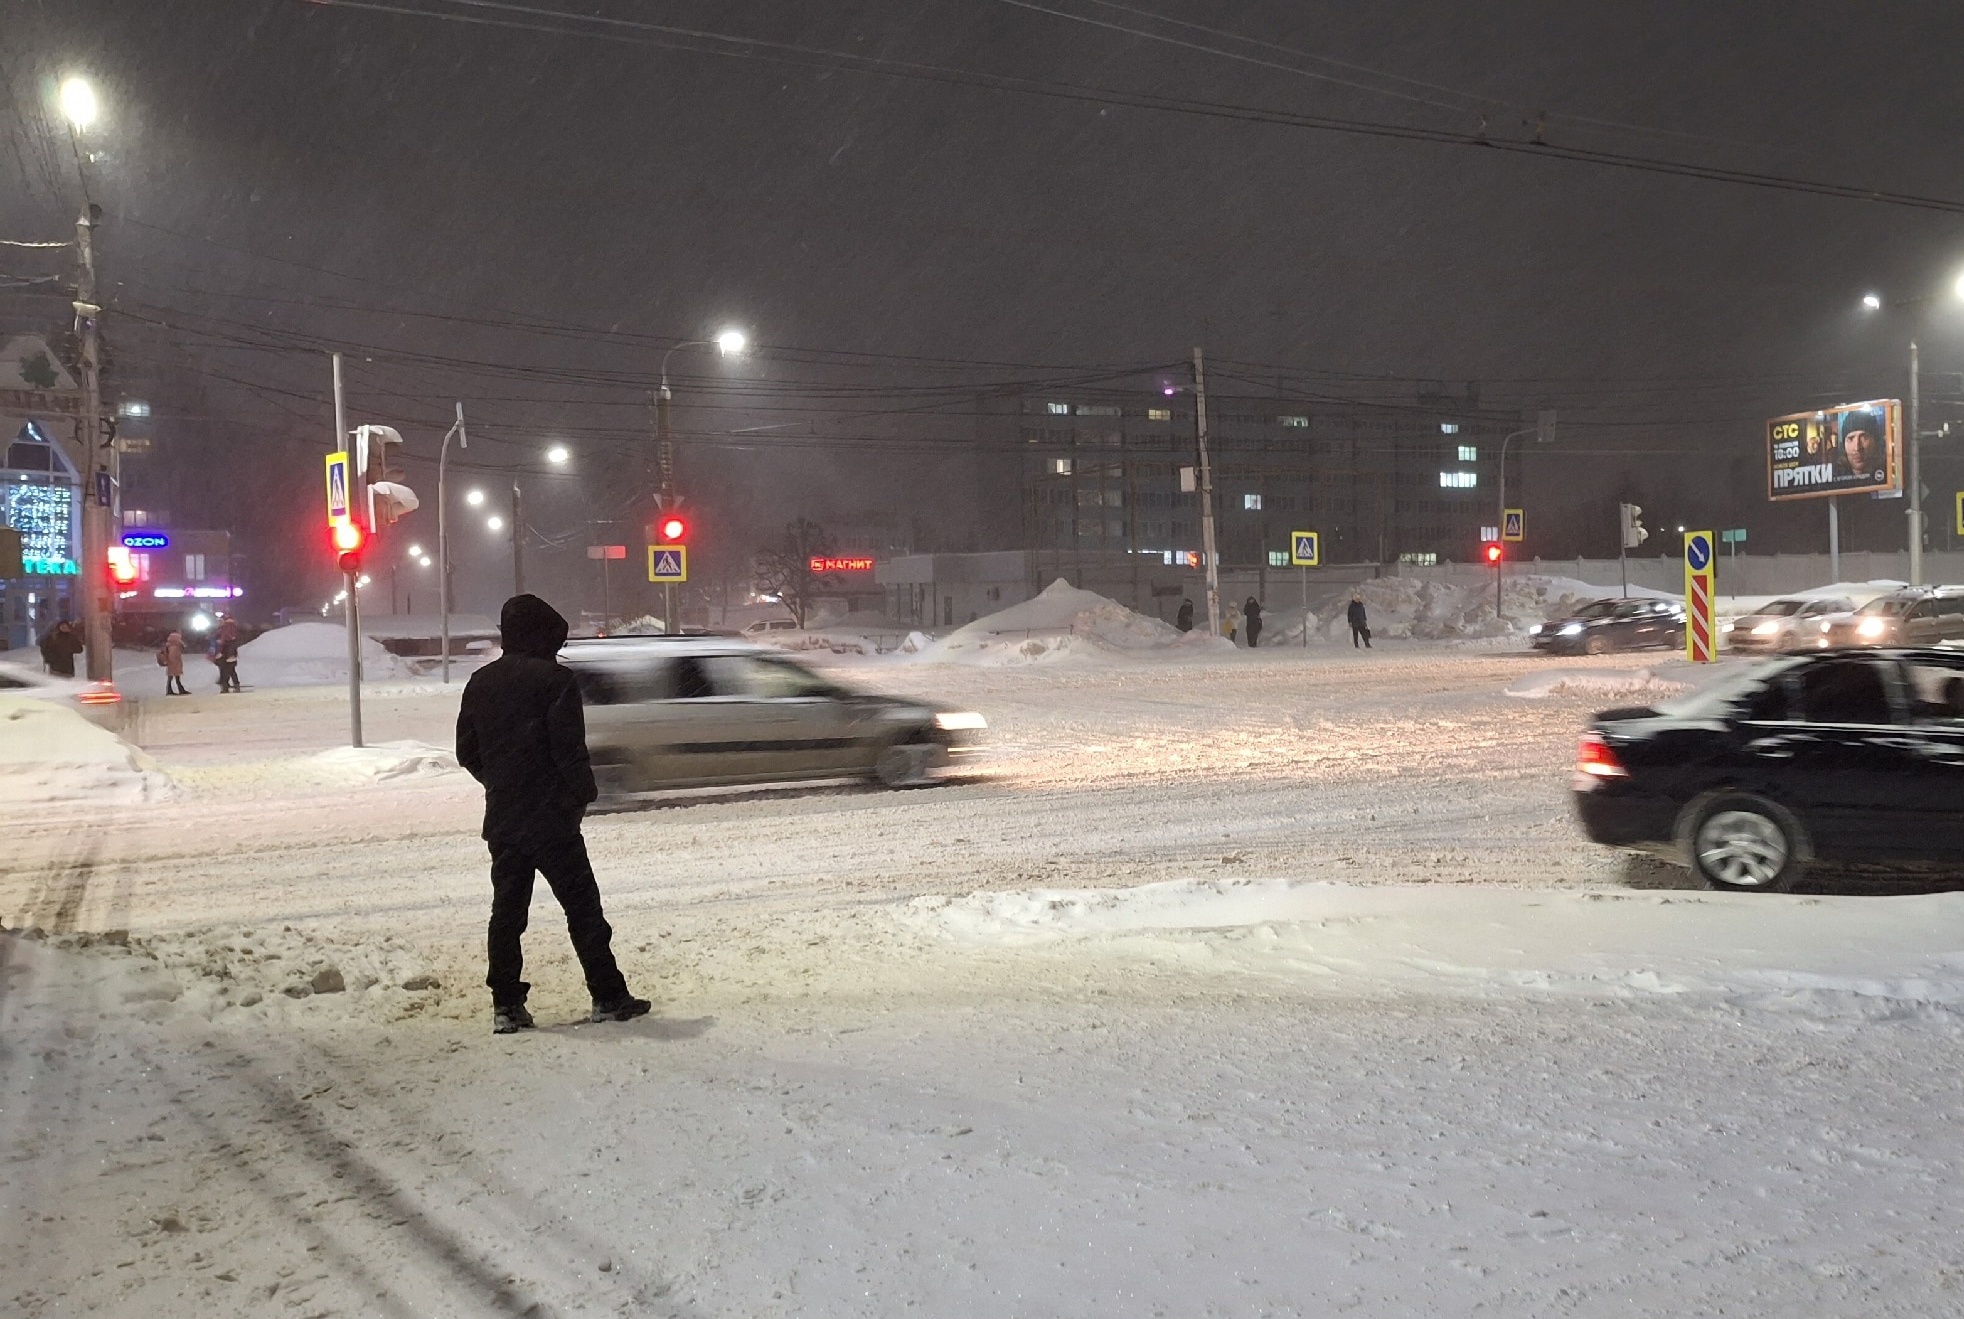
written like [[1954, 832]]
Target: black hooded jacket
[[522, 734]]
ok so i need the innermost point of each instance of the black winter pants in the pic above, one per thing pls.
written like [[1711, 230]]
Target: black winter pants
[[1360, 634], [564, 864]]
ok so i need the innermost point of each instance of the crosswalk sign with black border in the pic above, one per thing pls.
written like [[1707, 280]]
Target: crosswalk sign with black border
[[668, 563], [1305, 549]]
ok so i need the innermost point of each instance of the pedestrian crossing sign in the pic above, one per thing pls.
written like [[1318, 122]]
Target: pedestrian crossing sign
[[1305, 549], [668, 563], [1511, 525], [337, 487]]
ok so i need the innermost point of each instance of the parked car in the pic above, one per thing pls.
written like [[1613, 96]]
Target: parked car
[[765, 625], [1607, 625], [1790, 623], [1913, 616], [1851, 756], [98, 702], [673, 712]]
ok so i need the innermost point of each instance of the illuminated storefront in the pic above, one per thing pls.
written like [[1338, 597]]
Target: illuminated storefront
[[40, 497]]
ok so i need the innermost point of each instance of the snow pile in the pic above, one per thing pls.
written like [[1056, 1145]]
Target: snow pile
[[241, 974], [49, 753], [1062, 622], [385, 761], [306, 654], [1426, 609], [1838, 956], [1620, 684]]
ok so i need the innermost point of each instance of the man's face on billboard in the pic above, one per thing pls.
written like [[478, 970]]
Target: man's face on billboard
[[1858, 447]]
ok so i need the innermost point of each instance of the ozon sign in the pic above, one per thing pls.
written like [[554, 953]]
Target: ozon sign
[[824, 563]]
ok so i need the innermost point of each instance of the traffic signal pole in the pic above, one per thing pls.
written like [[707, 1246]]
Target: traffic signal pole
[[94, 580], [1206, 495], [352, 597]]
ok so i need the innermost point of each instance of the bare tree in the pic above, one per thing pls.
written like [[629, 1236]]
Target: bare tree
[[785, 569]]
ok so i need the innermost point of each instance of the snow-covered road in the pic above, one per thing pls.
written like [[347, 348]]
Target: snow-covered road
[[1212, 1037]]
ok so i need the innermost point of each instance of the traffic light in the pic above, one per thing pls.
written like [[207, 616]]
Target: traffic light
[[1634, 533], [122, 568], [348, 541], [381, 496], [1493, 552], [671, 529]]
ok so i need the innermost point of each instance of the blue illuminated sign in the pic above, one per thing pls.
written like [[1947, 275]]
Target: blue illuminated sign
[[145, 540]]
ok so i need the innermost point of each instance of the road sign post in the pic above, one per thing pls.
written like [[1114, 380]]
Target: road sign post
[[1305, 552], [1700, 587]]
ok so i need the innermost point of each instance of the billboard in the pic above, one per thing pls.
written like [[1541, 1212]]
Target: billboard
[[1853, 449]]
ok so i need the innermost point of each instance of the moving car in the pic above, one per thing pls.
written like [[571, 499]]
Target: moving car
[[764, 625], [98, 702], [1851, 756], [675, 712], [1607, 625], [1913, 616], [1792, 623]]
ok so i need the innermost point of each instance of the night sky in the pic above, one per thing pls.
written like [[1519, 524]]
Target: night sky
[[524, 220]]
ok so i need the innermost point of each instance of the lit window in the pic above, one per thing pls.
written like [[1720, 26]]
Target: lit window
[[1278, 558], [1449, 428], [194, 567], [1458, 480], [1251, 503], [1060, 409], [1159, 414], [1299, 422], [1469, 453], [133, 408], [1060, 467]]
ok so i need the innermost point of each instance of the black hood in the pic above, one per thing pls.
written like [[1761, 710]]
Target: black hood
[[528, 625]]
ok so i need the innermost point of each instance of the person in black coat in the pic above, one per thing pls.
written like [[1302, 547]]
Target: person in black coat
[[1360, 623], [522, 733], [1184, 619], [1252, 612], [60, 647]]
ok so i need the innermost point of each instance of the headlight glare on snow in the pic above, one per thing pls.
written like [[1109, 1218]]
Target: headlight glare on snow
[[959, 721]]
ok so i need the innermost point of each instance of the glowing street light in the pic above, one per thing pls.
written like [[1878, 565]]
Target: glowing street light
[[474, 498], [425, 561], [731, 343], [415, 551], [1872, 301], [494, 523], [78, 103], [557, 454]]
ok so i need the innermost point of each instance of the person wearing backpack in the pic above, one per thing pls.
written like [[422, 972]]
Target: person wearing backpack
[[171, 656]]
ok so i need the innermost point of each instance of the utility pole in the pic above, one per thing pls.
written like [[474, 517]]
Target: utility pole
[[517, 541], [352, 614], [94, 579], [665, 461], [445, 585], [1915, 471], [1208, 556]]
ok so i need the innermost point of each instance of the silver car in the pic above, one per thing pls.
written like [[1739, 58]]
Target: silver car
[[684, 712], [1793, 623]]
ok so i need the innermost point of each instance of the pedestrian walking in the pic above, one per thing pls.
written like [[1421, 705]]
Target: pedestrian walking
[[1360, 622], [1231, 624], [171, 656], [60, 647], [522, 734], [1252, 612], [1184, 619], [225, 654]]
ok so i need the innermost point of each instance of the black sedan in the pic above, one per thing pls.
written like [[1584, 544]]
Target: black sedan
[[1845, 757], [1607, 625]]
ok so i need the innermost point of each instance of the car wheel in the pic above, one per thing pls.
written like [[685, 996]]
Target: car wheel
[[905, 764], [1745, 844], [1595, 645]]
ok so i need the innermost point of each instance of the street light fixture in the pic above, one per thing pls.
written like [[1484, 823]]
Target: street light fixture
[[1872, 301], [557, 454], [78, 103], [474, 498], [1913, 440], [494, 523], [731, 343]]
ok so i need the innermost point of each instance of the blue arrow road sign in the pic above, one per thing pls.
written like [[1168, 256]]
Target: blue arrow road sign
[[1698, 551]]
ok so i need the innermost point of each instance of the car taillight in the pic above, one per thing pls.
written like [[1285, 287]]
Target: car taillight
[[1595, 760], [100, 694]]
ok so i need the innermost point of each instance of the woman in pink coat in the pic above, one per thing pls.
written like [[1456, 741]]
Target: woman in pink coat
[[171, 656]]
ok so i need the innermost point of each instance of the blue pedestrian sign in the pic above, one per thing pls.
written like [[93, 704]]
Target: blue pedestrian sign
[[668, 563], [1698, 550], [337, 487], [1305, 549]]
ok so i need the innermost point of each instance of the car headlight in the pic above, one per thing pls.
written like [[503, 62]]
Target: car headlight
[[1569, 629], [1871, 627], [1535, 631], [1826, 626], [1766, 629], [1727, 627], [961, 721]]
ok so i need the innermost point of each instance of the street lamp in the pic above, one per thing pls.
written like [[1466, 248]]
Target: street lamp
[[557, 455], [474, 498], [730, 342], [494, 523], [1543, 431], [1914, 477], [78, 103]]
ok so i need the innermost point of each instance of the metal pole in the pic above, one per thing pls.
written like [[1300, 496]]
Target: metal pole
[[94, 580], [606, 600], [1834, 538], [1915, 472], [517, 541], [1208, 553], [351, 615], [1500, 524], [665, 461], [1305, 605], [443, 527]]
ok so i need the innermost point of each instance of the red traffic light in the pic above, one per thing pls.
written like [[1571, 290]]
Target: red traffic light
[[348, 536], [672, 529], [1493, 553]]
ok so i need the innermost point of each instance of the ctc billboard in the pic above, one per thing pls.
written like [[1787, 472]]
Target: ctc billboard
[[1853, 449]]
